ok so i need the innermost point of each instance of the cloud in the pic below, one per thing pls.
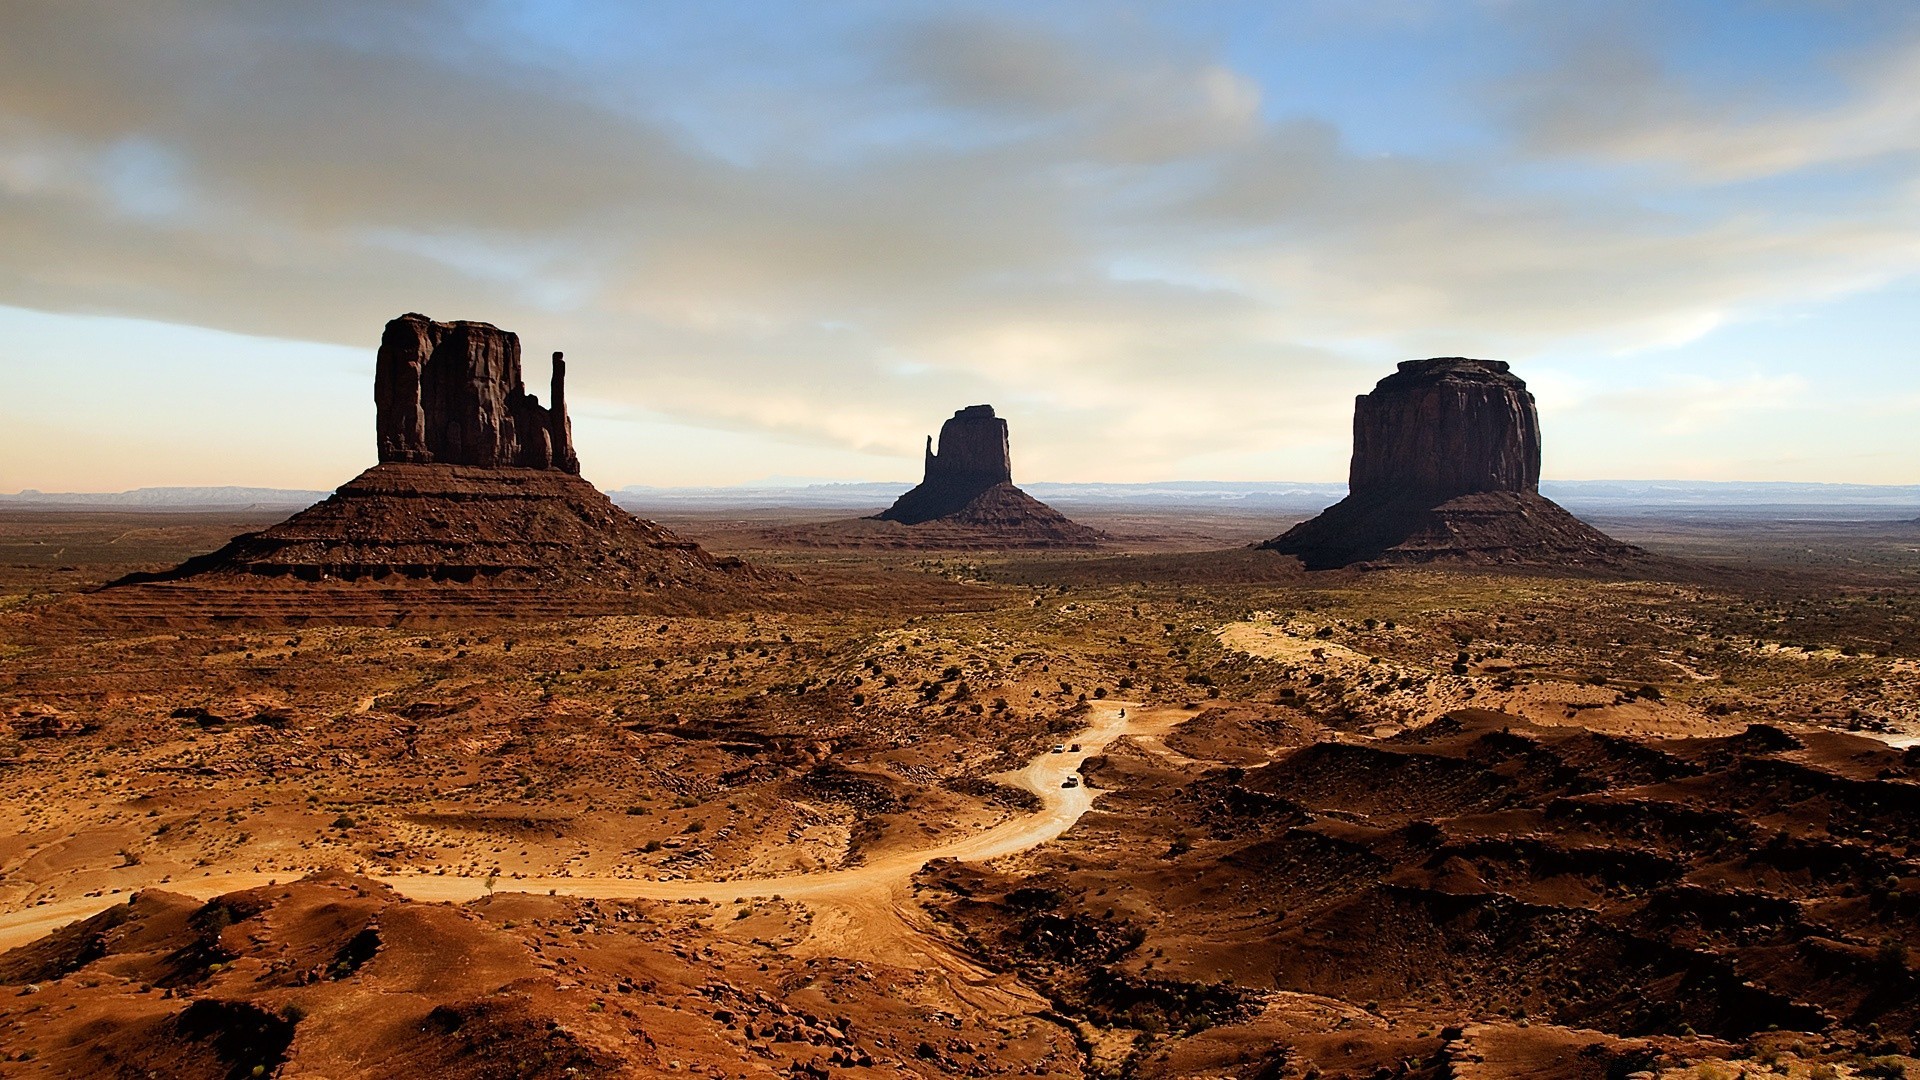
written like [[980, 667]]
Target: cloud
[[1119, 99], [1096, 222], [1612, 98], [1674, 403]]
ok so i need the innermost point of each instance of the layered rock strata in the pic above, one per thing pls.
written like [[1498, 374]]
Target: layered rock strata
[[1446, 467], [402, 523]]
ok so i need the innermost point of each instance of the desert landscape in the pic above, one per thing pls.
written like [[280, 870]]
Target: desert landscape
[[1658, 822], [1142, 540], [466, 771]]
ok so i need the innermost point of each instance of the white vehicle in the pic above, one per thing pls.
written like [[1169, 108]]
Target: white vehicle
[[1059, 748], [1071, 781]]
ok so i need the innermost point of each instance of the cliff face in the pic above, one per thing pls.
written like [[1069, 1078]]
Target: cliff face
[[1446, 468], [1444, 427], [973, 450], [451, 394]]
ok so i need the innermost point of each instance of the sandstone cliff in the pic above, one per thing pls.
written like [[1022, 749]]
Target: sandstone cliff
[[1444, 427], [451, 393]]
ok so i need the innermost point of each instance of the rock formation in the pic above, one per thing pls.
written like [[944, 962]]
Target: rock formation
[[1446, 466], [1444, 427], [968, 494], [477, 487], [973, 457], [400, 522], [451, 394]]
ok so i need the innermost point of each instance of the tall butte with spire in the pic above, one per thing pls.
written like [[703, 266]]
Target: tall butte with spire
[[476, 505], [451, 393], [967, 495], [1446, 467]]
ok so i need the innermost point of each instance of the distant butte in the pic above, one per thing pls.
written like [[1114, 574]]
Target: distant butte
[[973, 458], [968, 485], [966, 501], [1446, 467], [477, 491]]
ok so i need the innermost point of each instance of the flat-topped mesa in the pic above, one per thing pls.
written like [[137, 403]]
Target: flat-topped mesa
[[1446, 468], [451, 394], [973, 456], [1449, 426]]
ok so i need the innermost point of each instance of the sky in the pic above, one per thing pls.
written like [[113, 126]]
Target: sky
[[784, 239]]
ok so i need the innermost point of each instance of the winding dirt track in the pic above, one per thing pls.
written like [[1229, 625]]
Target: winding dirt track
[[860, 911]]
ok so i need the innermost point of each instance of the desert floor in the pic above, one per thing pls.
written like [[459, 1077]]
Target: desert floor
[[1410, 822]]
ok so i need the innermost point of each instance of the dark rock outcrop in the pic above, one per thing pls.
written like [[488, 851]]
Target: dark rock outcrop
[[1446, 467], [1444, 427], [451, 394], [974, 456], [968, 496]]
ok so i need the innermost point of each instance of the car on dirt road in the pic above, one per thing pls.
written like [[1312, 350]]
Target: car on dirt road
[[1071, 781]]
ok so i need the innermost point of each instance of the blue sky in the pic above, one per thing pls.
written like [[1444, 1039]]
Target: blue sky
[[1167, 240]]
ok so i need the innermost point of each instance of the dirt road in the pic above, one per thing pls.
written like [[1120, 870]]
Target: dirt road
[[862, 909]]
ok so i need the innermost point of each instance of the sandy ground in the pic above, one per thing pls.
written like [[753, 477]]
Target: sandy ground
[[870, 889]]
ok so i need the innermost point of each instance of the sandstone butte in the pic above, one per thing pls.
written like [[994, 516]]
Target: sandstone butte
[[968, 490], [477, 491], [1446, 468], [451, 394]]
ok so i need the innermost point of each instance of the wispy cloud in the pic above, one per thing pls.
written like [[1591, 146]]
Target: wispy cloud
[[1613, 98]]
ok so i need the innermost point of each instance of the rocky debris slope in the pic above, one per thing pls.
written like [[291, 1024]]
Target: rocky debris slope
[[336, 975], [445, 523], [451, 393], [1755, 890], [1446, 467]]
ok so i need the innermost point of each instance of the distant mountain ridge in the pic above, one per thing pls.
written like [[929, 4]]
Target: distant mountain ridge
[[1296, 496], [167, 498], [1602, 496]]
